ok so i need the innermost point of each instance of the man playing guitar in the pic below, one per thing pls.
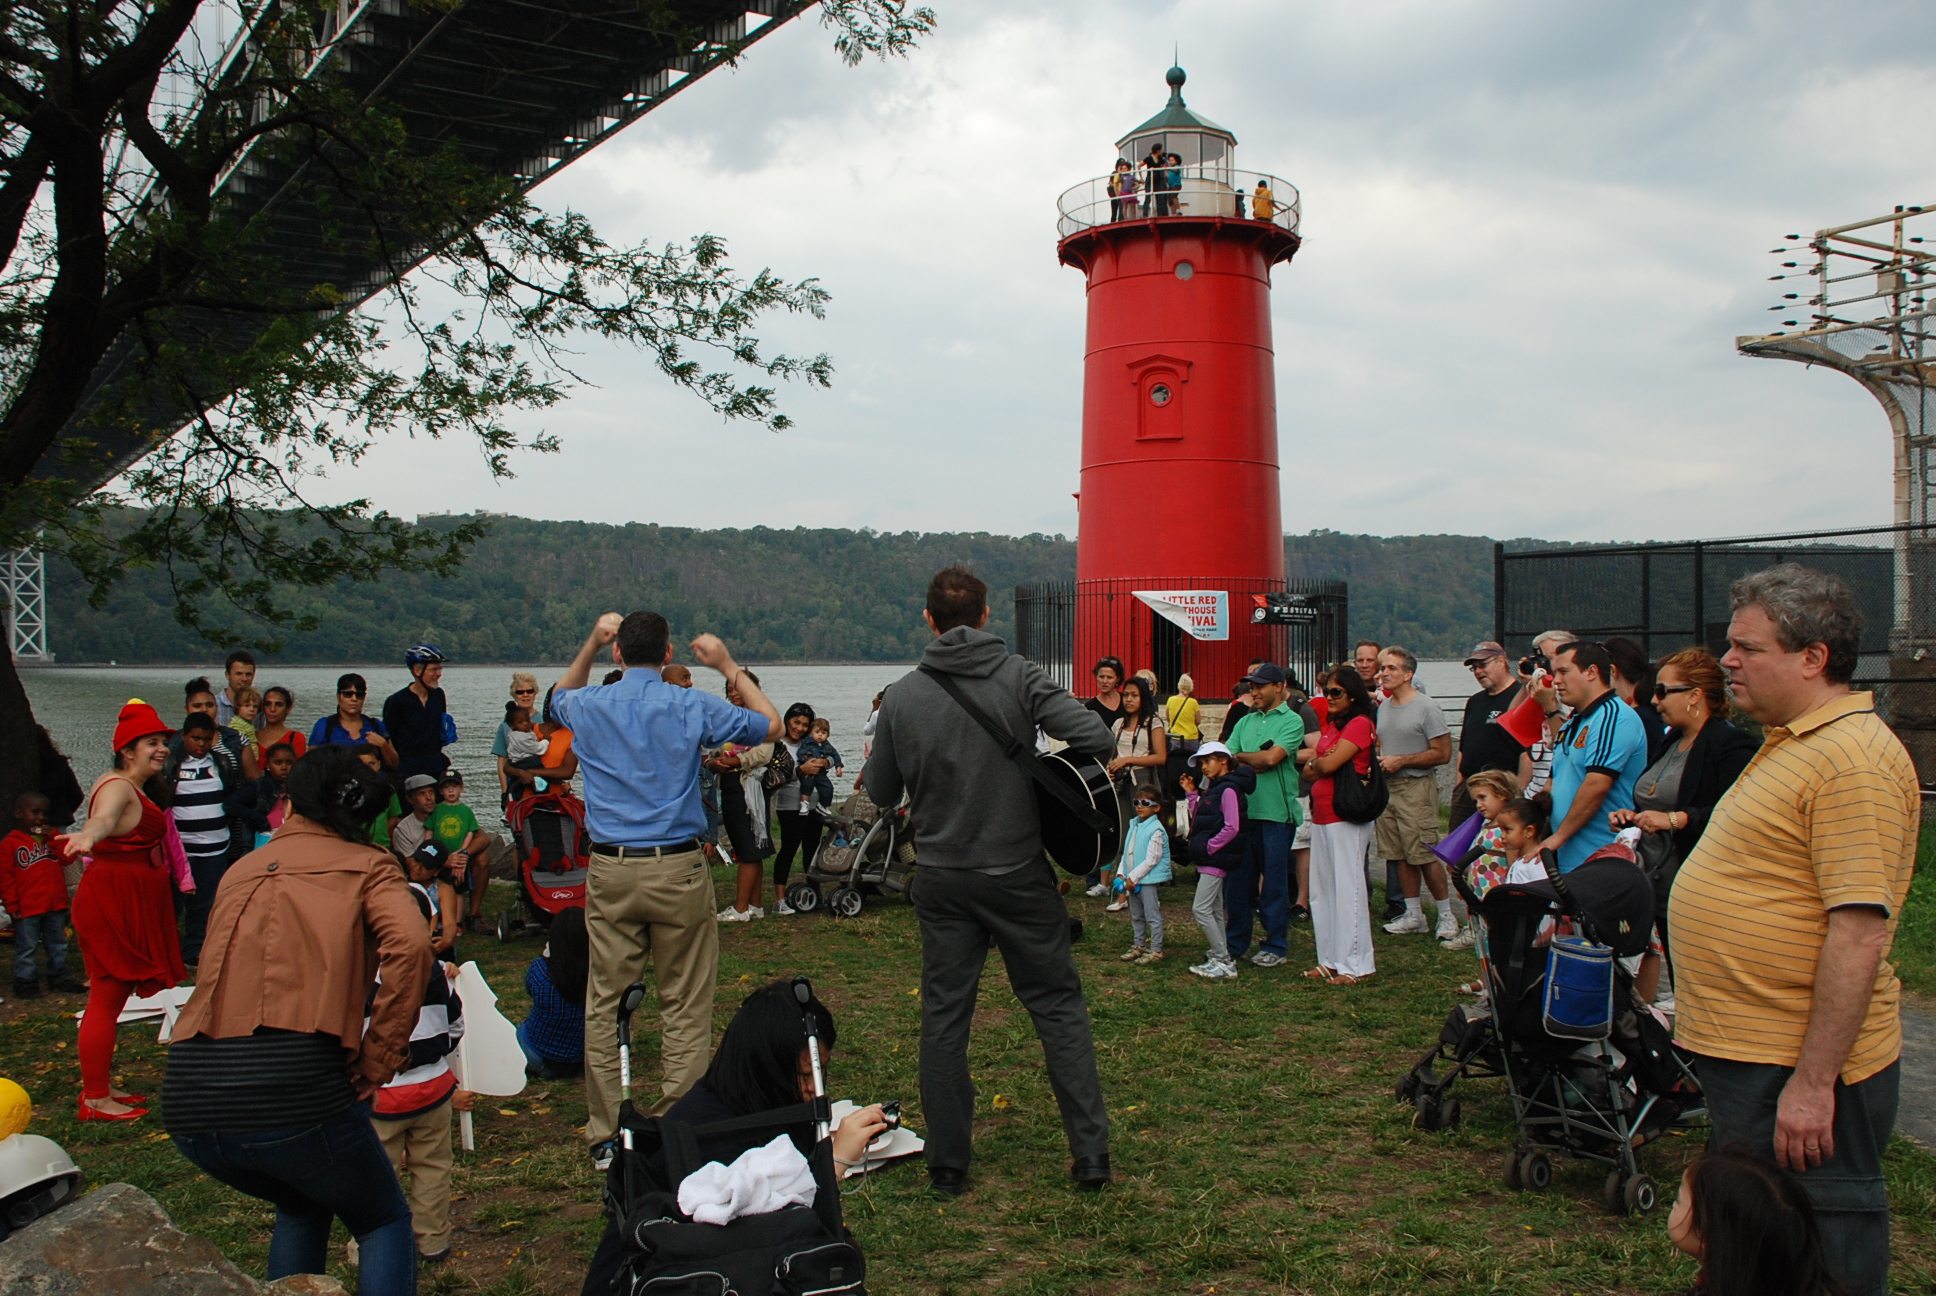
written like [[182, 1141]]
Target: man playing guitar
[[984, 875]]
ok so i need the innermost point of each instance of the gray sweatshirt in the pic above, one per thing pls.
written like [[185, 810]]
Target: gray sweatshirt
[[972, 809]]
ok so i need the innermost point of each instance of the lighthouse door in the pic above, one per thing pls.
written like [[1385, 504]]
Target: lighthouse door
[[1166, 652]]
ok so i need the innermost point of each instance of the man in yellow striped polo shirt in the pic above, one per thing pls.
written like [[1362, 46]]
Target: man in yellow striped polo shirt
[[1784, 912]]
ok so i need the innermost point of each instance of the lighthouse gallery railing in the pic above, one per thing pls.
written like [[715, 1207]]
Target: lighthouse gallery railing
[[1205, 190]]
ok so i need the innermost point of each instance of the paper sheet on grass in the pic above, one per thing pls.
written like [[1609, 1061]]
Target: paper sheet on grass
[[163, 1003], [893, 1146], [488, 1059]]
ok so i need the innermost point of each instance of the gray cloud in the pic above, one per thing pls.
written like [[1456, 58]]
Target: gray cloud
[[1534, 232]]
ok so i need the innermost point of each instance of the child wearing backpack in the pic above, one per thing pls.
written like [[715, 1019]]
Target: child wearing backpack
[[1216, 844]]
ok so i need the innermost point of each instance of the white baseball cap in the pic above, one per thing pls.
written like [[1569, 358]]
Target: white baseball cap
[[1210, 749]]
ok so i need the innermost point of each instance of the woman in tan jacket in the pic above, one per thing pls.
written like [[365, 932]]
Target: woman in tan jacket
[[271, 1068]]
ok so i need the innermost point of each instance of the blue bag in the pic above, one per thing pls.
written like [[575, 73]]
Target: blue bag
[[1579, 989]]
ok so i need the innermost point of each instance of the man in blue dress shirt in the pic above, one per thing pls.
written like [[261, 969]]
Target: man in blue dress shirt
[[638, 742]]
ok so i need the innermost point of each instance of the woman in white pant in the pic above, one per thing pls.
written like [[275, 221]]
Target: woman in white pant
[[1340, 905]]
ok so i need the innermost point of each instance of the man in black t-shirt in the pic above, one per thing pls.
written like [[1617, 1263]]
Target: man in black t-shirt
[[1483, 744]]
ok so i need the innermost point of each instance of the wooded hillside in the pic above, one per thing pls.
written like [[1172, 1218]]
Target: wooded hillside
[[531, 588]]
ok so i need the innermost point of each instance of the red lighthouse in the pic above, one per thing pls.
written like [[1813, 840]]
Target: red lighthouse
[[1179, 521]]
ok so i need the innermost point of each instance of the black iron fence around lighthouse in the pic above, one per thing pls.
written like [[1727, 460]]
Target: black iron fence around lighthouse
[[1305, 628]]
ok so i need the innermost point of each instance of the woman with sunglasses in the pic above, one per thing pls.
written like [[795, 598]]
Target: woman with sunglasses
[[1340, 902], [1703, 756], [1142, 749], [524, 692], [349, 727], [273, 726]]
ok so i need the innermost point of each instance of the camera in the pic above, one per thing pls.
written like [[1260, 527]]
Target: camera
[[1535, 664], [891, 1113]]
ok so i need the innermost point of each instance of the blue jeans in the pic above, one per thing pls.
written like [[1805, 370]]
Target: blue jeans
[[48, 929], [540, 1067], [1851, 1199], [313, 1174], [1267, 855], [207, 870]]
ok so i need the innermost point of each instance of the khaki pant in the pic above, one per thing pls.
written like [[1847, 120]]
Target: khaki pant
[[1409, 828], [656, 909], [420, 1144]]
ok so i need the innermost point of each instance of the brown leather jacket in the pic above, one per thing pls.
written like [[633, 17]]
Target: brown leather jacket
[[299, 929]]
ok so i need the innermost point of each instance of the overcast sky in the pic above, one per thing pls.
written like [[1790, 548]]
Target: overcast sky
[[1533, 231]]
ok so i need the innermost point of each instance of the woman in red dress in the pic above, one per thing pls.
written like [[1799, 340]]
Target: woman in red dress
[[124, 912]]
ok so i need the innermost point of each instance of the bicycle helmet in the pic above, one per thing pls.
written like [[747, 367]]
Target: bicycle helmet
[[423, 654]]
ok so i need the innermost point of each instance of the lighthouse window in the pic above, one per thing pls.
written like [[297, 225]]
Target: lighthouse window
[[1185, 270], [1160, 395]]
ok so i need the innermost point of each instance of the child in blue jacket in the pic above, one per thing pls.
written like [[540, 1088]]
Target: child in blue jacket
[[1145, 863]]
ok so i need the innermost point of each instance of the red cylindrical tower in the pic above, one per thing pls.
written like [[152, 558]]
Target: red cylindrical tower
[[1179, 509]]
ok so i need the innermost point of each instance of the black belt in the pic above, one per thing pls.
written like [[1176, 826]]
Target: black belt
[[650, 852]]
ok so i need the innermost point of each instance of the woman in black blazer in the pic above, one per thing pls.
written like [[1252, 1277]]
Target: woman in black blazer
[[1703, 756]]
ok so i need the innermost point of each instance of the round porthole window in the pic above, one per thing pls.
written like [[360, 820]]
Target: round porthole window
[[1160, 395], [1184, 270]]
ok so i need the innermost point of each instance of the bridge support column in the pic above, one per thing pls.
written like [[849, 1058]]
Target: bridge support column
[[23, 573]]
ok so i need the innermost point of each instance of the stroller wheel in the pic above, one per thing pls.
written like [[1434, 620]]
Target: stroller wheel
[[1450, 1114], [502, 926], [1407, 1088], [1429, 1115], [1639, 1196], [804, 897], [1514, 1179], [1613, 1192], [1536, 1171], [845, 902]]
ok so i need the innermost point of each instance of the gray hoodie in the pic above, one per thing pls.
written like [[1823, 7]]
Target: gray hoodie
[[972, 808]]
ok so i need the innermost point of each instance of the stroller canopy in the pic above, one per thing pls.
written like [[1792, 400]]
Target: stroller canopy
[[1611, 895]]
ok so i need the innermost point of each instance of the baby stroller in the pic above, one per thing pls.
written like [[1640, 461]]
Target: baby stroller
[[1596, 1085], [865, 852], [793, 1251], [553, 854]]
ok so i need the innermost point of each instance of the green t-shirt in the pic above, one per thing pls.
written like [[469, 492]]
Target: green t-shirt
[[451, 826], [380, 830], [1275, 800]]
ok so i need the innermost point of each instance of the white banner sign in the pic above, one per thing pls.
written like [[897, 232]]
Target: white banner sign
[[1205, 614]]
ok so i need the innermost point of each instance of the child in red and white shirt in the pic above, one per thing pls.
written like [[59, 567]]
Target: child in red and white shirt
[[34, 890]]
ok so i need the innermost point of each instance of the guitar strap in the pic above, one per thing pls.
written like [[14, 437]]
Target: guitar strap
[[1021, 756]]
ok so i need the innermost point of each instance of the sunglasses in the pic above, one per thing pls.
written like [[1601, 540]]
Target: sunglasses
[[1662, 690], [524, 692], [1335, 694], [1147, 804], [352, 692]]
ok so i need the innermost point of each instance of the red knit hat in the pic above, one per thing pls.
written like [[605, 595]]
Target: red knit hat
[[136, 721]]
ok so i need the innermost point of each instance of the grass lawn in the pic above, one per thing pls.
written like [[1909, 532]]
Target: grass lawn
[[1256, 1143]]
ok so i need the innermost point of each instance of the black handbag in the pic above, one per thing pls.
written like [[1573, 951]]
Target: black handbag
[[1359, 798], [779, 770]]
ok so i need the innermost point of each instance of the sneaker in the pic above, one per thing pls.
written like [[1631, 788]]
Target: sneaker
[[1409, 923], [1226, 971], [784, 910], [1097, 890], [1448, 928], [1463, 939], [1131, 954], [1148, 957], [602, 1154], [1116, 906], [1300, 913], [1266, 959], [730, 914], [756, 912], [1209, 969]]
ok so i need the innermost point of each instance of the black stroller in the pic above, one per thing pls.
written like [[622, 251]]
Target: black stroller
[[795, 1251], [1594, 1094]]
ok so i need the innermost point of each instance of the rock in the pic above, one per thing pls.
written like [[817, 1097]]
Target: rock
[[119, 1240]]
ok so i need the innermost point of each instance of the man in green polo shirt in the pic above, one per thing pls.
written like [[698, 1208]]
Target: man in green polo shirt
[[1266, 739]]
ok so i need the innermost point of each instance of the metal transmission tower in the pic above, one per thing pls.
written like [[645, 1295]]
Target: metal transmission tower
[[1861, 306], [24, 573]]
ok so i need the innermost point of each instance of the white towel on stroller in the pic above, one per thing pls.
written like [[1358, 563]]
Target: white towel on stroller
[[762, 1179]]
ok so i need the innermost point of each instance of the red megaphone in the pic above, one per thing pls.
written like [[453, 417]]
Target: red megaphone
[[1525, 722]]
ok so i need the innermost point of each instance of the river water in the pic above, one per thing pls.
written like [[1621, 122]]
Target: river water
[[78, 704]]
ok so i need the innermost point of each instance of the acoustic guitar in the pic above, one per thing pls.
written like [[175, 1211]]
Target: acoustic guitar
[[1082, 821]]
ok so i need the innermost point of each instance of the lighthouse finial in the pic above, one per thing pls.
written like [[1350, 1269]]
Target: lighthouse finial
[[1175, 77]]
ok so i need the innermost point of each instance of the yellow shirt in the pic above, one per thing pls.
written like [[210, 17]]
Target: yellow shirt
[[1180, 717], [1824, 816]]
